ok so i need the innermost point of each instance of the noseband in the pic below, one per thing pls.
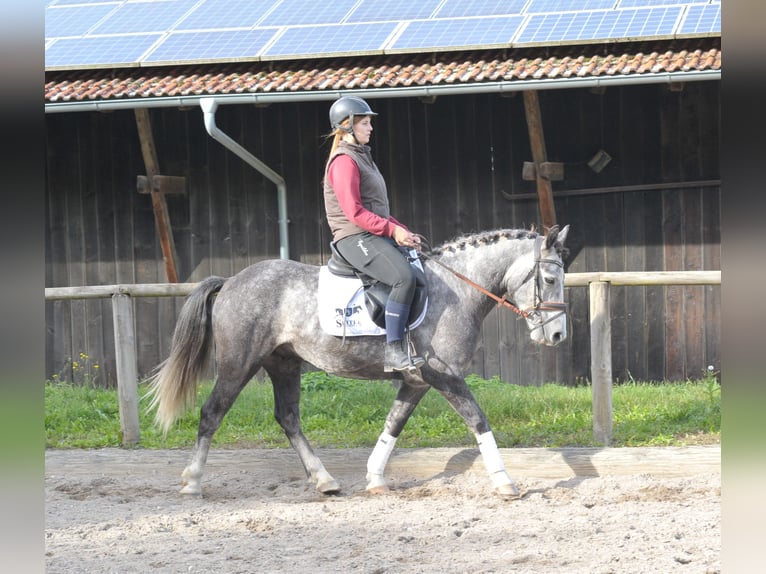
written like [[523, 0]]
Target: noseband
[[532, 314]]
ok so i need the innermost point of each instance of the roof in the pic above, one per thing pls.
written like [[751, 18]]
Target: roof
[[675, 60]]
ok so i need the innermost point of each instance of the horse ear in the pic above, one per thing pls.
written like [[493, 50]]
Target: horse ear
[[563, 235], [550, 239]]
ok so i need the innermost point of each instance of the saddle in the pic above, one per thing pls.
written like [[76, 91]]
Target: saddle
[[376, 293]]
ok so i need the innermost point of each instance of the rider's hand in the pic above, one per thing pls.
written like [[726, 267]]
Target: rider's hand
[[405, 238]]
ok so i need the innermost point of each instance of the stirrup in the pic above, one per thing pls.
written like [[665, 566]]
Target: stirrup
[[415, 361], [404, 360]]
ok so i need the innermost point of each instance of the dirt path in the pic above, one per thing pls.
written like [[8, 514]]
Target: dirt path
[[582, 511]]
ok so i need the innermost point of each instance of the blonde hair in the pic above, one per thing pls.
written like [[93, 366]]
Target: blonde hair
[[337, 134]]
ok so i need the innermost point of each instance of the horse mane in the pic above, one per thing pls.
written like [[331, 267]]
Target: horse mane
[[481, 239]]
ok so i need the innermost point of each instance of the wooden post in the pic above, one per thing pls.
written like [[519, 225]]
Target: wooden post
[[127, 377], [540, 156], [161, 217], [601, 361]]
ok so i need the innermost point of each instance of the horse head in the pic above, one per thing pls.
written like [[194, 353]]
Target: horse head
[[535, 283]]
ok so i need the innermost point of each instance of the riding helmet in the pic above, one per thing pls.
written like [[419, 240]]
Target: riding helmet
[[347, 107]]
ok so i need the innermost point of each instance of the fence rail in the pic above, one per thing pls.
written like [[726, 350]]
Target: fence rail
[[598, 284]]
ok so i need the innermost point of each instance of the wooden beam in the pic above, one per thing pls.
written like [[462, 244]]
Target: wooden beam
[[540, 156], [162, 183], [161, 217], [621, 278], [127, 373], [601, 362]]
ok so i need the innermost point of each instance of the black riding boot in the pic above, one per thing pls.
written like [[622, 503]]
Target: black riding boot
[[397, 358]]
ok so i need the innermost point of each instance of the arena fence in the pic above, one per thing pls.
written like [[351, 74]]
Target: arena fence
[[598, 284]]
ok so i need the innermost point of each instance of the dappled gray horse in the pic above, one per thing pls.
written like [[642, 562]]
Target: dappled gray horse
[[266, 316]]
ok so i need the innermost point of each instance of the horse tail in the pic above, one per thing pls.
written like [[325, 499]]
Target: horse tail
[[173, 386]]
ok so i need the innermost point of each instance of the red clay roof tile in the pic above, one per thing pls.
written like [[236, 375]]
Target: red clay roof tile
[[390, 71]]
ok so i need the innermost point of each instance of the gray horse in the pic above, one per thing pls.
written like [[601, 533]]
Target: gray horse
[[266, 316]]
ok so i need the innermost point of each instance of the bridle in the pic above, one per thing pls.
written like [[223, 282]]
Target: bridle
[[532, 314]]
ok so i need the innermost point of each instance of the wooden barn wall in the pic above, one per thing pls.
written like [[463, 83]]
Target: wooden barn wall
[[453, 166]]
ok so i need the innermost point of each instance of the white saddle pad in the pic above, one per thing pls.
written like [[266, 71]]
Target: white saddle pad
[[341, 307]]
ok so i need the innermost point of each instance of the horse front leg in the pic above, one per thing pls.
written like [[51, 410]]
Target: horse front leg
[[285, 374], [407, 398], [459, 396]]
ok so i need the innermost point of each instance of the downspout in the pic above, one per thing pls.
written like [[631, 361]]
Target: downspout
[[209, 106]]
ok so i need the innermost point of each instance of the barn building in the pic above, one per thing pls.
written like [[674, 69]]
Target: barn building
[[186, 138]]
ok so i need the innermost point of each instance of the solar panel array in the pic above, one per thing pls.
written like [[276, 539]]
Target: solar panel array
[[119, 33]]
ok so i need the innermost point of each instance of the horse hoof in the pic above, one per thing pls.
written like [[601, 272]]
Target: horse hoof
[[378, 489], [189, 489], [508, 491], [329, 487]]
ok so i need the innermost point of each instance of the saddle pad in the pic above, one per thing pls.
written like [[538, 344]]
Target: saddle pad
[[341, 308]]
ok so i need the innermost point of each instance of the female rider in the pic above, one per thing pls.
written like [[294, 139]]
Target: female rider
[[363, 229]]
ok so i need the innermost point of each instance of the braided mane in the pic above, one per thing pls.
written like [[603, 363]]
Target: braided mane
[[482, 238]]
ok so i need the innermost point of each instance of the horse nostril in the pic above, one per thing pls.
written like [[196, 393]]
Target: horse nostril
[[556, 338]]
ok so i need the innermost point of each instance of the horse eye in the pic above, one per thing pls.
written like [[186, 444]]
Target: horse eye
[[549, 280]]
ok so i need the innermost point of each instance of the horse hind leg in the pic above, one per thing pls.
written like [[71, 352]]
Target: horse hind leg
[[285, 374], [227, 388]]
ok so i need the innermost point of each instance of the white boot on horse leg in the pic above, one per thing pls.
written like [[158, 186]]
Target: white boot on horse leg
[[376, 464], [502, 482]]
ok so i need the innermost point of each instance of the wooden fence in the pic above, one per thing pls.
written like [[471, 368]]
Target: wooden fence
[[598, 284]]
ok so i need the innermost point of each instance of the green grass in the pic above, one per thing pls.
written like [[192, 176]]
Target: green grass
[[342, 413]]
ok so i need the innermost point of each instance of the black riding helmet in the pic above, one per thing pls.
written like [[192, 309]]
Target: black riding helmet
[[347, 107]]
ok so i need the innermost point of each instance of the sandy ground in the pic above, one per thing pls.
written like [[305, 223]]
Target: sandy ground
[[581, 511]]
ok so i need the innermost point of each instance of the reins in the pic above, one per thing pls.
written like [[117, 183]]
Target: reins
[[540, 305]]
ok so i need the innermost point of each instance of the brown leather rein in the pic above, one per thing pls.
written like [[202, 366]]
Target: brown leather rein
[[532, 314]]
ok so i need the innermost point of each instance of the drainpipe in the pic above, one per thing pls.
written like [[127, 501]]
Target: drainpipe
[[209, 106]]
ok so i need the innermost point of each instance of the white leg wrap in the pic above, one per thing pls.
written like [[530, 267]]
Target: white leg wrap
[[492, 459], [376, 464]]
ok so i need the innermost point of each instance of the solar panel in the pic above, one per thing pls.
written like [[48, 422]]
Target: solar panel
[[138, 17], [458, 33], [463, 8], [122, 32], [543, 6], [98, 50], [211, 45], [297, 12], [213, 14], [600, 25], [336, 39], [74, 20], [378, 10], [704, 19], [648, 3], [70, 2]]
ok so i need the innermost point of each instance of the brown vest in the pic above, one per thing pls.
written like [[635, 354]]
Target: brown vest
[[372, 189]]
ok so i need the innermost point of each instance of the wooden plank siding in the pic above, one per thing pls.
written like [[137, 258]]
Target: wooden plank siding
[[452, 165]]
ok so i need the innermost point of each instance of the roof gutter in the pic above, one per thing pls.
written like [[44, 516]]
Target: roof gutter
[[209, 106], [404, 92]]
